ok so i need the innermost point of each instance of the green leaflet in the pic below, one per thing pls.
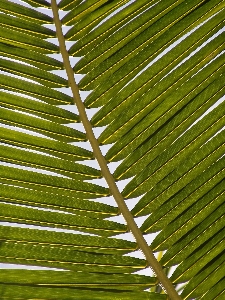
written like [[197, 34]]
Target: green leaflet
[[189, 268], [69, 259], [188, 194], [19, 39], [52, 184], [38, 3], [37, 108], [38, 75], [36, 90], [209, 227], [47, 146], [161, 135], [103, 31], [206, 280], [84, 25], [190, 218], [165, 215], [74, 285], [81, 11], [148, 81], [75, 280], [68, 4], [29, 56], [69, 294], [168, 86], [64, 203], [179, 178], [121, 37], [104, 92], [62, 240], [216, 292], [167, 127], [166, 162], [140, 51], [45, 127], [54, 219], [27, 27], [57, 165], [24, 12]]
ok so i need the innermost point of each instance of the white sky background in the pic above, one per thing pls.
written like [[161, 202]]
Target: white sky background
[[97, 132]]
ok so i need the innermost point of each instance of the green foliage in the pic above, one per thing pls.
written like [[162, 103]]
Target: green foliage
[[152, 104]]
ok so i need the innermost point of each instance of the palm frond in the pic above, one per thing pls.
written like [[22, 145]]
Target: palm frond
[[155, 72]]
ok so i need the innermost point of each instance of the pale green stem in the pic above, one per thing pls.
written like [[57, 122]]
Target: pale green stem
[[151, 260]]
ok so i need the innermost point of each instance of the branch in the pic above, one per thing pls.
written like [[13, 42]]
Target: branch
[[152, 261]]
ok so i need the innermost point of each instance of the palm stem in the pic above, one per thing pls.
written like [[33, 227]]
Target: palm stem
[[152, 261]]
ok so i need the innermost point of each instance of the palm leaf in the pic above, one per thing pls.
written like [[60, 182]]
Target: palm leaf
[[155, 72]]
